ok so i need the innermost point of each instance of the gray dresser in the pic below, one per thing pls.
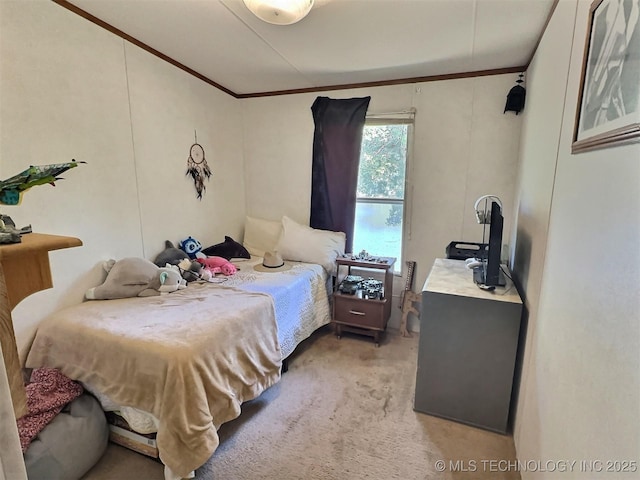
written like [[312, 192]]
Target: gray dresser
[[467, 350]]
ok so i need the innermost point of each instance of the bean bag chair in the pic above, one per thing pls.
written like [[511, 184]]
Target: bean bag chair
[[70, 444]]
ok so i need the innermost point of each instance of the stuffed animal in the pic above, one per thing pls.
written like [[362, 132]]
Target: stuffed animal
[[228, 249], [135, 277], [192, 271], [191, 247], [168, 281], [170, 255], [218, 265]]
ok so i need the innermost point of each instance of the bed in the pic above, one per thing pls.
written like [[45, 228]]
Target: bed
[[188, 359]]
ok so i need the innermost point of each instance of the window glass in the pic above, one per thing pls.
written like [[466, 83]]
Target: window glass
[[379, 230], [380, 201], [383, 160]]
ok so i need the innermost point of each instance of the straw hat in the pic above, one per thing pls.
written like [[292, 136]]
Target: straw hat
[[272, 262]]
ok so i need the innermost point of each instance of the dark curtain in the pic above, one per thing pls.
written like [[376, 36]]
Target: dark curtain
[[336, 154]]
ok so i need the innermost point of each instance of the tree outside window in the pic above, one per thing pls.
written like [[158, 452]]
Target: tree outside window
[[381, 190]]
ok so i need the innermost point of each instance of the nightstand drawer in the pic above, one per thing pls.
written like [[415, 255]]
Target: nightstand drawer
[[359, 312]]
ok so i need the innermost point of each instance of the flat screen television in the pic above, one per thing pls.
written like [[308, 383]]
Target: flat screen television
[[489, 275]]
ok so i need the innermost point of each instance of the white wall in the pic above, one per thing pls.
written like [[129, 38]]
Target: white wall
[[542, 123], [577, 254], [464, 147], [70, 89]]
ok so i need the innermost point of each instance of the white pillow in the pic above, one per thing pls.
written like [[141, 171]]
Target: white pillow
[[305, 244], [260, 235]]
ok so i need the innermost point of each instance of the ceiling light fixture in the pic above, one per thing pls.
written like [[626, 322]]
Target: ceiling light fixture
[[279, 12]]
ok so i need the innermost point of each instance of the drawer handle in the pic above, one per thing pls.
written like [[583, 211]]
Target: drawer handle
[[355, 312]]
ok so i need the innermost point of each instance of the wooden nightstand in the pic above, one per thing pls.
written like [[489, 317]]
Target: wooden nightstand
[[357, 314]]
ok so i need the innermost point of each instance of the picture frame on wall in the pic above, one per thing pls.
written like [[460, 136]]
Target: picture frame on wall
[[608, 110]]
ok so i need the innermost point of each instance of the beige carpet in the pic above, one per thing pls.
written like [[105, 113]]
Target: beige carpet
[[343, 411]]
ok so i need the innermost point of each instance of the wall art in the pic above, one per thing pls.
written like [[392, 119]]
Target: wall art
[[608, 110]]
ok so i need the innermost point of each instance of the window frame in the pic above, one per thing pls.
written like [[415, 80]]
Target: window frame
[[402, 118]]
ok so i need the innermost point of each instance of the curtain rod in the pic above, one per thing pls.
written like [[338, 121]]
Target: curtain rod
[[411, 111]]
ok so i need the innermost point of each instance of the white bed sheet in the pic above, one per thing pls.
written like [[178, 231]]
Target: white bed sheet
[[300, 298]]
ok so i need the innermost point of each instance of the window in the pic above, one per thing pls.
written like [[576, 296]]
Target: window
[[381, 193]]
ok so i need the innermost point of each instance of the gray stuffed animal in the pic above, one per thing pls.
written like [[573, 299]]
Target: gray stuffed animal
[[190, 269], [171, 255], [136, 277]]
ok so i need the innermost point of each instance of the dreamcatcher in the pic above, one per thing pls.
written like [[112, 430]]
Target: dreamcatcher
[[197, 167]]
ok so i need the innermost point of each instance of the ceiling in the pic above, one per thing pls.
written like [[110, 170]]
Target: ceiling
[[340, 42]]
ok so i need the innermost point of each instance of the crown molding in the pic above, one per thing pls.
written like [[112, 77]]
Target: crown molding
[[400, 81]]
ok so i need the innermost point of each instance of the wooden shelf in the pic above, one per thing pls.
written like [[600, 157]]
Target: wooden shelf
[[24, 269], [26, 264]]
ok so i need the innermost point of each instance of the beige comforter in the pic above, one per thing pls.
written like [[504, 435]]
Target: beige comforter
[[190, 358]]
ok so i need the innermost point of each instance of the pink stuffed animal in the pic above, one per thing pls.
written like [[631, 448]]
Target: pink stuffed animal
[[218, 265]]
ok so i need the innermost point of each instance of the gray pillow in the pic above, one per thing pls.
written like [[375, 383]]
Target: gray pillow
[[71, 444]]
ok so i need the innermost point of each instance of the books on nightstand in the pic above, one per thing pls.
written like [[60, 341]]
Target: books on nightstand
[[121, 433]]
